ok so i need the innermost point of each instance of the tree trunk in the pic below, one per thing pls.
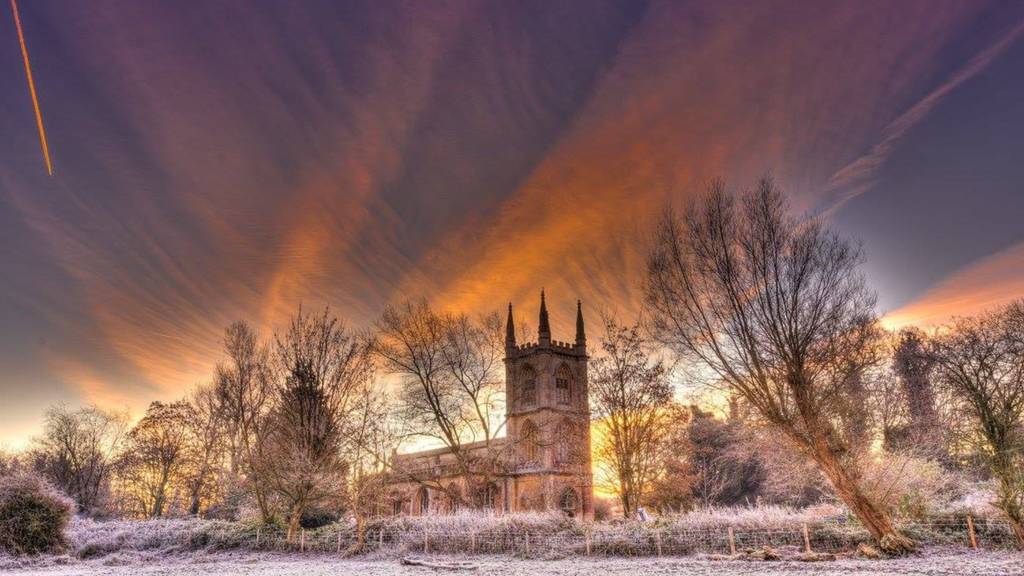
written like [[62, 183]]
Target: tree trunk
[[158, 506], [1008, 493], [1018, 530], [874, 520], [360, 544], [195, 500], [294, 521]]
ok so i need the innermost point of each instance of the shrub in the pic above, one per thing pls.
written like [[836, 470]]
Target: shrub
[[910, 487], [33, 515], [317, 517], [602, 509]]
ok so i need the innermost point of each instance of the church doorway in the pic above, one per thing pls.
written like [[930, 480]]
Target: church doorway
[[569, 503]]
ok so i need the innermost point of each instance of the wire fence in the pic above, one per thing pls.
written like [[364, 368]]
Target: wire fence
[[618, 541]]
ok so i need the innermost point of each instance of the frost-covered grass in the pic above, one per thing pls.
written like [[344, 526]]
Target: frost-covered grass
[[523, 536], [537, 522], [739, 517], [754, 517], [89, 538], [931, 562]]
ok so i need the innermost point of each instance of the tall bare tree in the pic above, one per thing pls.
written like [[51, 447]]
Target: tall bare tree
[[981, 360], [324, 367], [77, 452], [631, 399], [207, 445], [913, 366], [371, 437], [671, 489], [777, 311], [155, 457], [244, 388], [451, 388]]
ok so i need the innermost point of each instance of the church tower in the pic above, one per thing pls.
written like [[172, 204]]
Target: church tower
[[548, 420]]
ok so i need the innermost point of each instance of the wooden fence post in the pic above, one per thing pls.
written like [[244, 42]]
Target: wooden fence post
[[807, 540], [472, 542], [339, 542], [732, 542], [527, 544], [302, 540], [257, 536], [426, 542], [588, 541], [657, 536], [970, 532], [380, 538]]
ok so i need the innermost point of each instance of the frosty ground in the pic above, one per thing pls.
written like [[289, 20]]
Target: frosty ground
[[929, 562]]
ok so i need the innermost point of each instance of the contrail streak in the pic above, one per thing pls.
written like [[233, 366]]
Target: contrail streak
[[858, 176], [32, 89]]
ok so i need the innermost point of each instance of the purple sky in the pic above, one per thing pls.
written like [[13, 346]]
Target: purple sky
[[228, 160]]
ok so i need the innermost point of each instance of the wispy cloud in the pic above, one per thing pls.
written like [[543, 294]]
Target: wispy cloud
[[860, 175]]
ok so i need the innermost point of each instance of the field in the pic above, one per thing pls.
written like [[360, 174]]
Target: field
[[930, 562]]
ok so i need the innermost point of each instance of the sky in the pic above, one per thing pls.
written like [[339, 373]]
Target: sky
[[216, 161]]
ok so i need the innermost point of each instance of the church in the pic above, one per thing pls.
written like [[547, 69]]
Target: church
[[542, 463]]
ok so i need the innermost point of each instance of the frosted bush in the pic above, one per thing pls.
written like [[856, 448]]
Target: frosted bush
[[478, 521], [33, 515], [911, 487], [755, 517], [90, 538]]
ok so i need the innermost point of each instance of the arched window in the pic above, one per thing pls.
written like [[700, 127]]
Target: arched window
[[453, 495], [397, 504], [529, 437], [565, 440], [528, 392], [490, 500], [569, 503], [563, 385], [423, 501]]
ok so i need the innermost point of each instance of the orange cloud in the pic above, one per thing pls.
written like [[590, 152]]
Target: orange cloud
[[992, 281], [692, 94]]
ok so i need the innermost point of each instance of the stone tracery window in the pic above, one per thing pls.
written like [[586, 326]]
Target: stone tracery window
[[528, 392], [569, 502], [529, 437], [563, 385], [423, 501], [453, 497], [565, 438], [490, 496]]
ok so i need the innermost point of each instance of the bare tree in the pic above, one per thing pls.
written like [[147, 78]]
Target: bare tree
[[370, 440], [777, 312], [725, 472], [154, 457], [632, 402], [244, 389], [913, 365], [77, 452], [325, 366], [10, 463], [672, 487], [981, 360], [451, 389], [207, 443]]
